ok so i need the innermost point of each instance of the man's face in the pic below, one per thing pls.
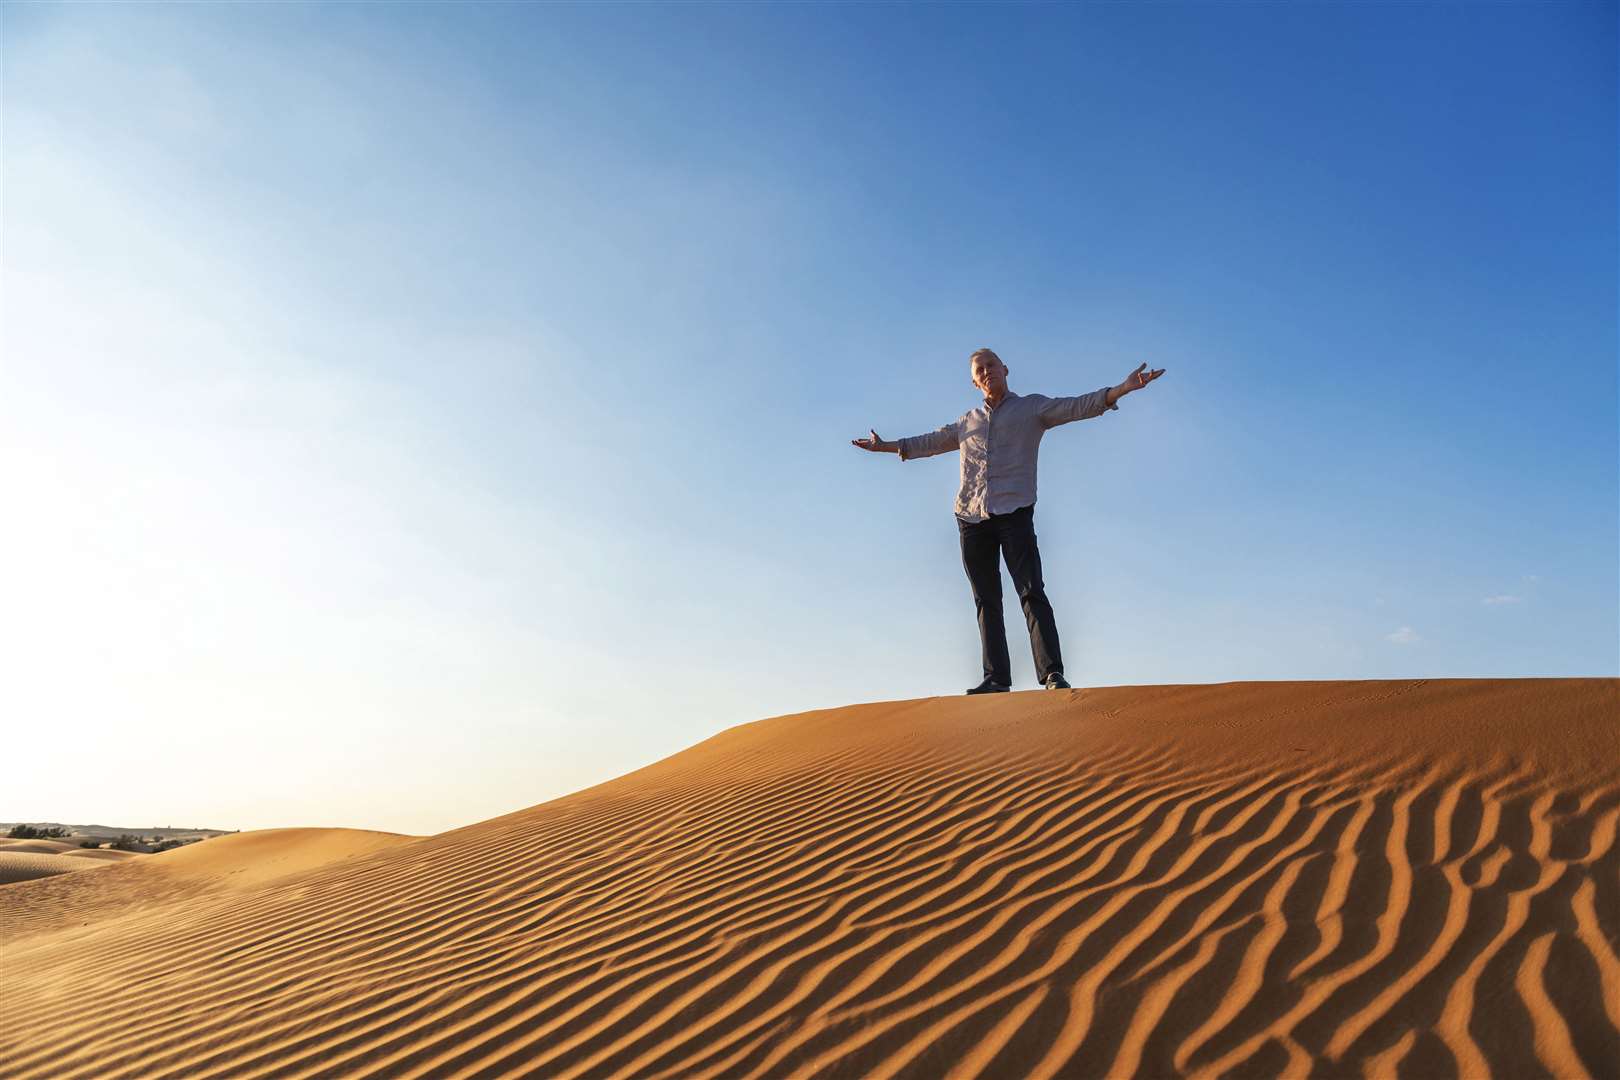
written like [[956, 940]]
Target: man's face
[[990, 376]]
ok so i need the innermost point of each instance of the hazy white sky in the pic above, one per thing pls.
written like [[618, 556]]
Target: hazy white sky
[[411, 414]]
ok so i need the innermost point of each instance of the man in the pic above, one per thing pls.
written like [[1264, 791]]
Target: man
[[995, 506]]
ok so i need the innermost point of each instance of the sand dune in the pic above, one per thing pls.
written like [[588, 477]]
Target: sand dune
[[27, 865], [102, 854], [25, 860], [1414, 878], [181, 878], [40, 847], [242, 860]]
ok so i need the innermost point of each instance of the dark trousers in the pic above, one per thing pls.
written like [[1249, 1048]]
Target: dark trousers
[[983, 543]]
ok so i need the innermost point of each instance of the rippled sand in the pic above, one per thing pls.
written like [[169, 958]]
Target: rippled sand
[[1415, 878]]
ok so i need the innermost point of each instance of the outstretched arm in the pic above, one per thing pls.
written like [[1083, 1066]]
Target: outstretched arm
[[1064, 410], [1055, 411], [935, 442]]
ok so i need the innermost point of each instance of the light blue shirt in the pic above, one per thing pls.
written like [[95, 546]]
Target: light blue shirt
[[999, 447]]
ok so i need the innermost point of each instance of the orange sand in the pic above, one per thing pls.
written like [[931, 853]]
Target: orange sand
[[1415, 878]]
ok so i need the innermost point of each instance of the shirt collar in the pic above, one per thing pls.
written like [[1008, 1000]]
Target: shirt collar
[[1008, 396]]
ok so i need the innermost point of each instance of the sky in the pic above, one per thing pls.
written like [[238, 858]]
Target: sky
[[414, 413]]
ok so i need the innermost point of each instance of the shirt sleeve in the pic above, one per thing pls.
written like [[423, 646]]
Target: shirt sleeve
[[946, 438], [1062, 410]]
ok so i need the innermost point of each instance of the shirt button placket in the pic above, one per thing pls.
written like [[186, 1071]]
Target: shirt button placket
[[989, 424]]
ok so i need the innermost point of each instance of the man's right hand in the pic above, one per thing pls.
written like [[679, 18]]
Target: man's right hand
[[875, 444]]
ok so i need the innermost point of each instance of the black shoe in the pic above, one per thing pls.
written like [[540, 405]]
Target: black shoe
[[990, 686], [1056, 681]]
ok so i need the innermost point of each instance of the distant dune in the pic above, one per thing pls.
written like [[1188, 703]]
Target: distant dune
[[241, 860], [102, 854], [1413, 878], [40, 847], [18, 865], [24, 860], [104, 833]]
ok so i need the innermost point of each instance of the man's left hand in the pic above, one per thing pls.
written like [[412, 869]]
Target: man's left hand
[[1138, 379]]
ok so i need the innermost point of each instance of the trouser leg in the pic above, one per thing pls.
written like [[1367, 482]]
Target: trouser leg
[[981, 559], [1024, 564]]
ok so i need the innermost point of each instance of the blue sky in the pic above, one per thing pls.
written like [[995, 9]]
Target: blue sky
[[415, 413]]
